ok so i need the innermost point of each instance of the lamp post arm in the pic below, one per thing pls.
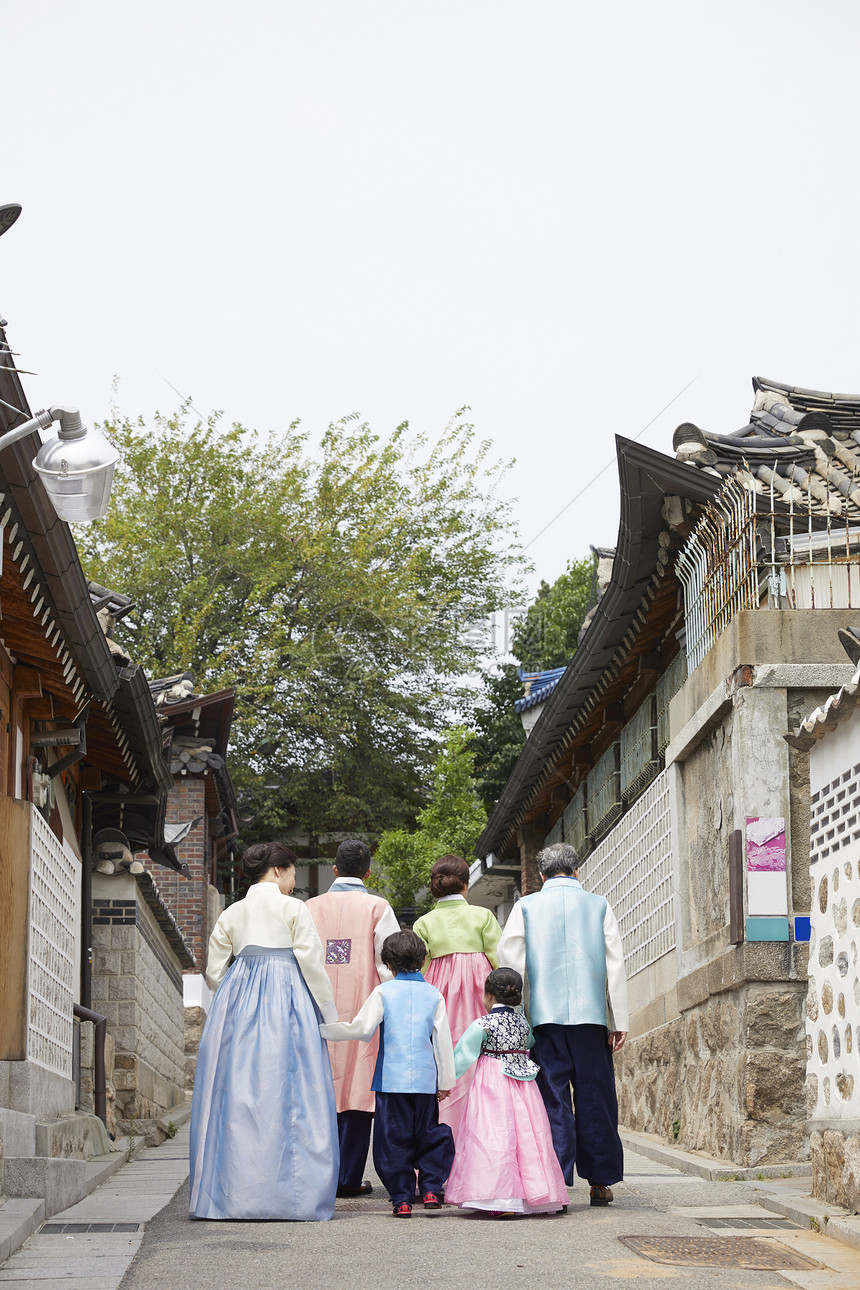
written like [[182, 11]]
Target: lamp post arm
[[40, 421]]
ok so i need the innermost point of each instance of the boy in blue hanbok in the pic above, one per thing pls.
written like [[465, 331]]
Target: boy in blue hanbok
[[414, 1072]]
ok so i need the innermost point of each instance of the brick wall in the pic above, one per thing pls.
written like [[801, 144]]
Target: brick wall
[[186, 898]]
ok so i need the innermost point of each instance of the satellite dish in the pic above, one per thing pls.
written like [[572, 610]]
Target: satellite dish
[[8, 215]]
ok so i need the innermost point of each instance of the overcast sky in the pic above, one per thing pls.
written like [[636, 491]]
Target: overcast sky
[[559, 213]]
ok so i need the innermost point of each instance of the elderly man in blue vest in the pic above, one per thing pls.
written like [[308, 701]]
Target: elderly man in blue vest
[[565, 942]]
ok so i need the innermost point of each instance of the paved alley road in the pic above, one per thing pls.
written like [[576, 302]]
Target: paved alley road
[[365, 1249]]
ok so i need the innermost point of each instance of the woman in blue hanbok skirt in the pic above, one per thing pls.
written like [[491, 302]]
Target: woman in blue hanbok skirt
[[263, 1124]]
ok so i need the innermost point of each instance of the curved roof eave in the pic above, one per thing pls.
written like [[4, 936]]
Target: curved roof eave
[[645, 478]]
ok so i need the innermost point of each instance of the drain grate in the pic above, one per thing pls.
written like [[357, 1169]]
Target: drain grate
[[75, 1229], [758, 1224], [719, 1252]]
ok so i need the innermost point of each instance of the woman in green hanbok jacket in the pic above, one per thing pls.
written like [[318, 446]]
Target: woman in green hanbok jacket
[[461, 942]]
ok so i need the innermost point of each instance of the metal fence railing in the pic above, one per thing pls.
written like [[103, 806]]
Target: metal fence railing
[[761, 550]]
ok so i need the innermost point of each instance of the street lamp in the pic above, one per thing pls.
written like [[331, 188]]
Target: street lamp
[[76, 468]]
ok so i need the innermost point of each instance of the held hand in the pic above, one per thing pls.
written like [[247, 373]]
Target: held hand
[[442, 1094], [616, 1039]]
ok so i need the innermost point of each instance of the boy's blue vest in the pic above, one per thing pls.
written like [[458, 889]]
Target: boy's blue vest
[[565, 954], [406, 1063]]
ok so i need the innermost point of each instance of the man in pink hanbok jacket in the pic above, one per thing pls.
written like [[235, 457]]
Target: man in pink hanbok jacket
[[352, 924]]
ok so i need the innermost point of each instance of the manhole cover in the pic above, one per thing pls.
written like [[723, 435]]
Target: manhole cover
[[719, 1252]]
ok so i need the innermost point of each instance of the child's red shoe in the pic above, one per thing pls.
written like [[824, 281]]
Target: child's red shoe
[[431, 1200], [402, 1211]]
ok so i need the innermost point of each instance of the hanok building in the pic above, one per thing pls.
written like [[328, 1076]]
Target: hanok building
[[659, 754], [81, 753]]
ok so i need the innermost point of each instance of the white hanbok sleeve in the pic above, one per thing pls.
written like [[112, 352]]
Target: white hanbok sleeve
[[364, 1024], [308, 950], [443, 1048], [616, 977], [218, 956], [387, 926], [512, 946]]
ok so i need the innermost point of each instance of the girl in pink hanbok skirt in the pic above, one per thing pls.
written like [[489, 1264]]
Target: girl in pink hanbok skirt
[[505, 1162], [461, 942]]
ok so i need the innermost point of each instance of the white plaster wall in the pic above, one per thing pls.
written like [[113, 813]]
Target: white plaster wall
[[837, 752], [833, 1004], [195, 991]]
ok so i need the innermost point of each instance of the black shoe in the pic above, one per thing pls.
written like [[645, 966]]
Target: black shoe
[[363, 1190]]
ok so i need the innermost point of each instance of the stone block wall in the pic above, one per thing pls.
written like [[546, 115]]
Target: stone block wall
[[726, 1077], [187, 898], [137, 984]]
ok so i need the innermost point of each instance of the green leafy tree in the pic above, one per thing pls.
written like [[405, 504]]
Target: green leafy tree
[[451, 822], [544, 637], [332, 589]]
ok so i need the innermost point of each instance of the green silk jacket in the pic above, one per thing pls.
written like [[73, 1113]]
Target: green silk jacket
[[456, 927]]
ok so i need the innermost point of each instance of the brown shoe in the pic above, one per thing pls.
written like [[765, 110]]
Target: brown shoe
[[601, 1195]]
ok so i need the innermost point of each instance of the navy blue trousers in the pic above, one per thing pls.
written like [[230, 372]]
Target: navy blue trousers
[[585, 1134], [407, 1136], [353, 1135]]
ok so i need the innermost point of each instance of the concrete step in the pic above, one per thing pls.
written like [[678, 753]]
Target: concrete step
[[79, 1135], [17, 1132], [58, 1182], [157, 1129], [696, 1162], [19, 1219], [61, 1183]]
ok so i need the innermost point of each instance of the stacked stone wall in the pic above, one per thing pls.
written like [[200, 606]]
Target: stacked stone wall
[[137, 984], [725, 1078]]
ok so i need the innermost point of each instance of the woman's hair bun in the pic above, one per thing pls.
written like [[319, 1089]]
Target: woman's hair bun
[[263, 856], [448, 877]]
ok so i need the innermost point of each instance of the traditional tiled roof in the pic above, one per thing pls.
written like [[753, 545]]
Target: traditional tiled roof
[[802, 446], [538, 686], [838, 706], [648, 480]]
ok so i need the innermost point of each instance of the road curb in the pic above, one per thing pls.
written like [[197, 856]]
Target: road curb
[[773, 1190]]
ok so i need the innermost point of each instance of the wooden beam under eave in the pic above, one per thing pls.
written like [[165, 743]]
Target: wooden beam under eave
[[91, 779], [41, 709], [27, 682]]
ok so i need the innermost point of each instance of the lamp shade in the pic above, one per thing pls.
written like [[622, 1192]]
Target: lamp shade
[[77, 473]]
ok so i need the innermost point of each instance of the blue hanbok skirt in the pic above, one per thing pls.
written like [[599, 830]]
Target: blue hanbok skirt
[[263, 1120]]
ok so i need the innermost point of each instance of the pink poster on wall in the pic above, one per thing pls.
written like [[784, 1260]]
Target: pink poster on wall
[[766, 844]]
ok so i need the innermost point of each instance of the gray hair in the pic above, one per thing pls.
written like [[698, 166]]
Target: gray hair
[[558, 860]]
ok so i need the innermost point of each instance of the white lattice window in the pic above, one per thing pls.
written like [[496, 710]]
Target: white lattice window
[[554, 835], [835, 815], [632, 868], [54, 883], [603, 792], [573, 820]]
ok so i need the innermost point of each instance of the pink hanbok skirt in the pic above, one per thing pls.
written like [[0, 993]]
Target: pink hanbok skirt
[[505, 1158], [460, 980]]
